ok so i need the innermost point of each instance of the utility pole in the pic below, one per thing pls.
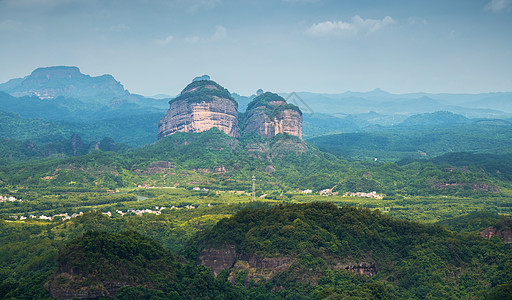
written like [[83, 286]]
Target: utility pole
[[253, 187]]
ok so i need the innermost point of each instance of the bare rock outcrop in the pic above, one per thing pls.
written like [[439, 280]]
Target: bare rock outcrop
[[269, 115], [254, 268], [202, 105], [218, 259], [505, 234], [68, 283]]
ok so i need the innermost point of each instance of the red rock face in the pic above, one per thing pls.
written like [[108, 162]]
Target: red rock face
[[270, 115], [265, 268], [185, 116], [201, 106], [286, 121], [289, 121], [204, 104], [504, 234], [218, 259]]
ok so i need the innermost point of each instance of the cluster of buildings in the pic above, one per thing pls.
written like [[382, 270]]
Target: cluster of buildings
[[8, 199], [65, 216], [138, 212], [373, 195], [327, 192]]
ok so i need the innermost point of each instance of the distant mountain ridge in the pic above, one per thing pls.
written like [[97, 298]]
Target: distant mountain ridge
[[64, 93], [440, 118], [382, 102], [52, 82]]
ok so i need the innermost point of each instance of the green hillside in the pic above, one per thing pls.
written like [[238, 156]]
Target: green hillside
[[409, 260], [330, 252], [395, 143]]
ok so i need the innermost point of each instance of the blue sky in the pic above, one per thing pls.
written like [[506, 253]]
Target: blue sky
[[156, 46]]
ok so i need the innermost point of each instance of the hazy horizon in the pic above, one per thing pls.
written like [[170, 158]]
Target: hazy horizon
[[319, 46]]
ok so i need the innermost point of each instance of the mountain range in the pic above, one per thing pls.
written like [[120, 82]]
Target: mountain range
[[70, 102]]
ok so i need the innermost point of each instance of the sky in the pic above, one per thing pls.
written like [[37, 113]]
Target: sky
[[328, 46]]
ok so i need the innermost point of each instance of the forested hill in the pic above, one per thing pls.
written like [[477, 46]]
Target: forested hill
[[422, 136], [316, 243], [307, 251]]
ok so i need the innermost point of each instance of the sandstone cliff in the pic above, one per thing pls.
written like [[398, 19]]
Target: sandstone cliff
[[202, 105], [255, 268], [269, 115], [505, 234]]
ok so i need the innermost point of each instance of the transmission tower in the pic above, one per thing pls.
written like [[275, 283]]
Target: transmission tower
[[253, 187]]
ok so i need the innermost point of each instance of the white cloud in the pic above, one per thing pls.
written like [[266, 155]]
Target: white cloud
[[220, 33], [416, 21], [167, 40], [356, 26], [328, 28], [497, 6]]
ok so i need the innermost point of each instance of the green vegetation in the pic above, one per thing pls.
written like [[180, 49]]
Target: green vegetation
[[476, 221], [134, 130], [196, 182], [139, 265], [203, 93], [271, 110], [406, 142], [412, 260], [285, 164]]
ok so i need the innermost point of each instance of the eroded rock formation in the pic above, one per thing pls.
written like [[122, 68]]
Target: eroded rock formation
[[202, 105], [255, 268], [269, 115], [505, 234], [218, 259]]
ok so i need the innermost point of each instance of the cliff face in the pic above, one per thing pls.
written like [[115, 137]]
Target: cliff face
[[204, 104], [505, 234], [201, 106], [269, 115], [255, 268]]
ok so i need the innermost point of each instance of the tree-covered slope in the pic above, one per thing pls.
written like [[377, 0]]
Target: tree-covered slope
[[213, 160], [316, 245], [420, 141], [134, 130], [128, 265]]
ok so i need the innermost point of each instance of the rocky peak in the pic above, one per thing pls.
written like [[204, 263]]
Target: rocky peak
[[54, 73], [202, 105], [199, 78], [269, 115]]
